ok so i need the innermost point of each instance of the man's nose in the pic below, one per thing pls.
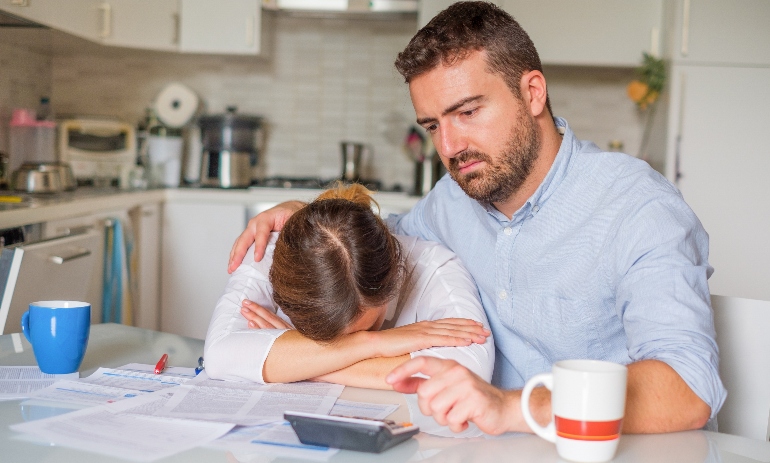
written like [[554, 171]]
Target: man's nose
[[452, 141]]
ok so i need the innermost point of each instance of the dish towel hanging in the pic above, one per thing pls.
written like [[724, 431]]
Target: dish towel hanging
[[118, 250]]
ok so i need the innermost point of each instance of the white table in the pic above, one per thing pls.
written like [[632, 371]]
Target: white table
[[113, 345]]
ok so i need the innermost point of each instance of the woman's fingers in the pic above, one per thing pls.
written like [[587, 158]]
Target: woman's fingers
[[260, 317]]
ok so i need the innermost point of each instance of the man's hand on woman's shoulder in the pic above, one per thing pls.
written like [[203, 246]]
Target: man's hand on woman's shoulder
[[258, 232]]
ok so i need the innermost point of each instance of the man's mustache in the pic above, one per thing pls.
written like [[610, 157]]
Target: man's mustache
[[466, 156]]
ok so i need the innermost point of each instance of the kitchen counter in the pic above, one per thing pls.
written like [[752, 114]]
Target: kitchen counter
[[84, 201]]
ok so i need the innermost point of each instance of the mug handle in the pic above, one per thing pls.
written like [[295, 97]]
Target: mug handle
[[549, 432], [25, 325]]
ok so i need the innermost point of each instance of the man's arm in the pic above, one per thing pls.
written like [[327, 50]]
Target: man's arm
[[658, 400]]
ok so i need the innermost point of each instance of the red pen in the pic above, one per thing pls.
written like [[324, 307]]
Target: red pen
[[161, 365]]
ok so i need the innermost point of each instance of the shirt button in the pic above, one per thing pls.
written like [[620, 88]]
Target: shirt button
[[503, 295], [535, 209], [507, 230]]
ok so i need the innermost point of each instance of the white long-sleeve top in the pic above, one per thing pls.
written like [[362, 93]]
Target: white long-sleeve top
[[439, 287]]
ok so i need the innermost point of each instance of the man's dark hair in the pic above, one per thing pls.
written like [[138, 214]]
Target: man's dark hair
[[466, 27]]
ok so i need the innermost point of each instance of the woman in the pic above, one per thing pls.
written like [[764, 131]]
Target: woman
[[338, 298]]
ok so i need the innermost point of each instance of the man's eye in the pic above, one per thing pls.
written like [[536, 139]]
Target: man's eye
[[432, 128], [469, 112]]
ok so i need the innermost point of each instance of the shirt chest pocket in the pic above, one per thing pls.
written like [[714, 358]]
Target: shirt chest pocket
[[567, 328]]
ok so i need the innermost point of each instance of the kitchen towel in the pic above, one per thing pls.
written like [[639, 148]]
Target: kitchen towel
[[118, 252]]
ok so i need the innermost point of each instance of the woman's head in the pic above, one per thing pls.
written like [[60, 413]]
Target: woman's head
[[334, 262]]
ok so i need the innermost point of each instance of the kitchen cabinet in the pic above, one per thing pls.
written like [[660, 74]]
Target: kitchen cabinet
[[704, 31], [149, 24], [719, 159], [197, 237], [581, 32], [711, 131], [209, 27], [190, 26], [590, 32]]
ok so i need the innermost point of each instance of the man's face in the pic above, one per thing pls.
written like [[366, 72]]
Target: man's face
[[485, 135]]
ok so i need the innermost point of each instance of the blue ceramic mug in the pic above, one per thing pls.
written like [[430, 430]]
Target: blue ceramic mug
[[58, 332]]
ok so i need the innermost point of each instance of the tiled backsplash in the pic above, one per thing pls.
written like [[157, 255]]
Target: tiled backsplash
[[323, 81]]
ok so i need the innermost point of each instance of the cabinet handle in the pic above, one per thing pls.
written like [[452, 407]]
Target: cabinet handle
[[685, 28], [106, 9], [250, 25], [66, 258], [175, 39]]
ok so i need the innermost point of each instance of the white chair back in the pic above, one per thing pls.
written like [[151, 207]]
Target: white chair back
[[743, 337]]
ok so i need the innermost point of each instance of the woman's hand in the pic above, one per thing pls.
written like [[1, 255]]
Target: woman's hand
[[447, 332], [260, 317]]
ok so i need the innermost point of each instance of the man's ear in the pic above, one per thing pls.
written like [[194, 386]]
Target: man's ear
[[534, 92]]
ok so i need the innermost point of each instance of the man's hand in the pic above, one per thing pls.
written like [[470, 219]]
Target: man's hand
[[260, 317], [447, 332], [258, 232], [454, 396]]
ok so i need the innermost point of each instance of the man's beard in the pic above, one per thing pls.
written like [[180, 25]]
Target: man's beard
[[502, 178]]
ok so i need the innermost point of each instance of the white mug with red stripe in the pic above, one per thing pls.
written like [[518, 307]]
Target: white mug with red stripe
[[588, 400]]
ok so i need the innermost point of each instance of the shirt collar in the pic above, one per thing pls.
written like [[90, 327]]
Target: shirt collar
[[552, 180]]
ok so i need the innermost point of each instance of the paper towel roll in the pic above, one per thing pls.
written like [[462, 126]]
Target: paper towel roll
[[175, 105]]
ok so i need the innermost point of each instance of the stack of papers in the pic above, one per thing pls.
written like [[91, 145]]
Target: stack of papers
[[136, 415], [20, 382]]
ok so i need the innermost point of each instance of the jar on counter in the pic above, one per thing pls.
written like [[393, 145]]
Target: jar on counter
[[31, 140]]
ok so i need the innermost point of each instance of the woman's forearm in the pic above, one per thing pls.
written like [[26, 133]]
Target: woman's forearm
[[293, 357], [369, 373]]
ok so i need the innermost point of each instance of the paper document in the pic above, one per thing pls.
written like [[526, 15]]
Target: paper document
[[248, 404], [82, 393], [134, 380], [178, 372], [362, 409], [276, 439], [133, 437], [20, 382], [107, 385]]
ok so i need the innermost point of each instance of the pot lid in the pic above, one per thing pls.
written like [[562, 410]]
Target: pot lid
[[230, 119]]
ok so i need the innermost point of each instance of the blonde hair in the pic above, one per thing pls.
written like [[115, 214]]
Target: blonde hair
[[354, 192], [334, 259]]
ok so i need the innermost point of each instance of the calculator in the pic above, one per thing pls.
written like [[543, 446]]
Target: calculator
[[350, 433]]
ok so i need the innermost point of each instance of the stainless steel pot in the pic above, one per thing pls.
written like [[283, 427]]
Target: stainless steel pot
[[43, 178], [226, 169]]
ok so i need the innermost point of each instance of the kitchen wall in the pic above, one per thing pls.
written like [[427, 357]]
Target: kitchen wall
[[322, 81], [25, 72]]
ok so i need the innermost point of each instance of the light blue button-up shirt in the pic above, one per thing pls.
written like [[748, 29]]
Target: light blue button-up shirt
[[604, 261]]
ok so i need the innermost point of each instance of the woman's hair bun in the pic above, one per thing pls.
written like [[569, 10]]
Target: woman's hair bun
[[354, 192]]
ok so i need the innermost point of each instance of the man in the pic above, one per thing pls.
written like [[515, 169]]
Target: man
[[577, 253]]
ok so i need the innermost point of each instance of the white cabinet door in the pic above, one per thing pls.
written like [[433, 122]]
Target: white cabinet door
[[590, 32], [197, 238], [231, 27], [148, 24], [83, 18], [147, 229], [710, 31], [721, 116], [427, 9]]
